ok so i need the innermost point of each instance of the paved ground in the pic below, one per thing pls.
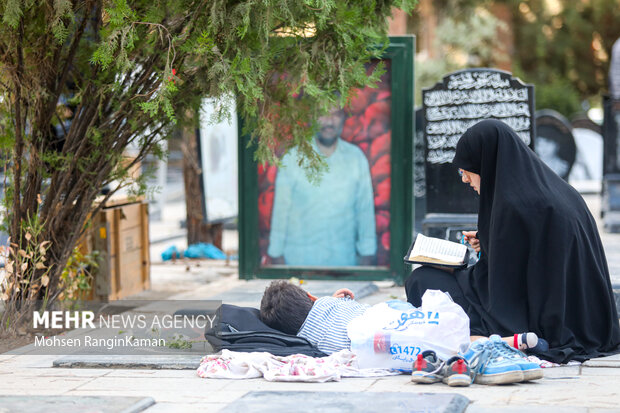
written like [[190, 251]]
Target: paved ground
[[592, 387], [566, 389]]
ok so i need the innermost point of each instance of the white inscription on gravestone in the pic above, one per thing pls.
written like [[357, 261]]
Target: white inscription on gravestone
[[458, 97], [471, 97], [419, 183], [477, 80], [489, 110]]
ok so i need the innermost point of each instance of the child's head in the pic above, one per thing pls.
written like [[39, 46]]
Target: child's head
[[285, 306]]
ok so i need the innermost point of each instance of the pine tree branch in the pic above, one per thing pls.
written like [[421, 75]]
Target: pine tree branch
[[61, 179], [69, 60]]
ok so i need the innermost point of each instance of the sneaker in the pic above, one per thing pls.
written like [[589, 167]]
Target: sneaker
[[427, 368], [489, 366], [456, 372], [531, 371]]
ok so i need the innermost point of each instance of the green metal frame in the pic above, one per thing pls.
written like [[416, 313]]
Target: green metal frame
[[401, 52]]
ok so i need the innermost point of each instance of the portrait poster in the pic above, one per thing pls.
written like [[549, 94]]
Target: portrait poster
[[357, 220], [218, 155], [326, 221]]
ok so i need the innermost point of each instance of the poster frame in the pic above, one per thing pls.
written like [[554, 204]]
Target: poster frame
[[401, 53]]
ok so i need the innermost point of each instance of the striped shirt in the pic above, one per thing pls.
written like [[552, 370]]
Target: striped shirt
[[325, 326]]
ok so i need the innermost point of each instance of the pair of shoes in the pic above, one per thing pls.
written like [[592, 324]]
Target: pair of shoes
[[531, 371], [428, 368], [495, 362]]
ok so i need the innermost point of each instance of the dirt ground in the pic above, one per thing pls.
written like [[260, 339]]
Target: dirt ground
[[9, 342]]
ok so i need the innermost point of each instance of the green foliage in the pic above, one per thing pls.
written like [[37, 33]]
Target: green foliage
[[12, 12], [565, 50], [77, 276], [62, 11], [562, 46], [26, 268], [81, 81], [560, 95], [467, 38], [179, 341]]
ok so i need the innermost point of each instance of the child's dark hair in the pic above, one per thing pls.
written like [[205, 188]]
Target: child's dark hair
[[285, 306]]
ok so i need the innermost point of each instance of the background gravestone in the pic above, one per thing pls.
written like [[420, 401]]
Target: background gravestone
[[611, 136], [589, 140], [610, 206], [419, 174], [555, 144], [584, 122], [458, 102]]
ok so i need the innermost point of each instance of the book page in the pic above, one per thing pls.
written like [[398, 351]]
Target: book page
[[438, 248]]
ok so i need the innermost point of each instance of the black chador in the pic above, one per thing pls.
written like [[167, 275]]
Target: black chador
[[542, 265]]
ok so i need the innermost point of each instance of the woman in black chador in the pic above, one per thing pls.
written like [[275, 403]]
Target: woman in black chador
[[542, 267]]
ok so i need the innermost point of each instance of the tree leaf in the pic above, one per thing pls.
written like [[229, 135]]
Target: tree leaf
[[45, 280], [40, 266]]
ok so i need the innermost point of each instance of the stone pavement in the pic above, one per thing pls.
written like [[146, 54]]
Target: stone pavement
[[591, 387], [563, 389]]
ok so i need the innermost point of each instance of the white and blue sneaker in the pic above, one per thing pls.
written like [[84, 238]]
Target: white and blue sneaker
[[531, 371], [491, 366]]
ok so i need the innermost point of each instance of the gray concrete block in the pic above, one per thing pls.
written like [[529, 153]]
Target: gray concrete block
[[74, 404], [610, 361], [562, 372], [354, 402], [252, 292], [473, 408], [600, 371], [184, 362]]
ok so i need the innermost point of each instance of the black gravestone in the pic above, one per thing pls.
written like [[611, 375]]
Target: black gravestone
[[419, 174], [611, 136], [584, 122], [458, 102], [589, 140], [555, 144], [610, 205]]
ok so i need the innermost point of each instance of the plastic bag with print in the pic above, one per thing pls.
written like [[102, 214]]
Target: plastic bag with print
[[393, 333]]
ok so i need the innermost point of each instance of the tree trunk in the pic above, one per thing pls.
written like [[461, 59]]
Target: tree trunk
[[198, 230]]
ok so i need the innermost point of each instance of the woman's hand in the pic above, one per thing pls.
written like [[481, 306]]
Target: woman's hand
[[344, 292], [470, 236]]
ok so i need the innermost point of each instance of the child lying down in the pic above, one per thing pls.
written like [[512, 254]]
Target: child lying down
[[324, 322]]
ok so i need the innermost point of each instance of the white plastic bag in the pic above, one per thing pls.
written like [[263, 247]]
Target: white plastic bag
[[392, 334]]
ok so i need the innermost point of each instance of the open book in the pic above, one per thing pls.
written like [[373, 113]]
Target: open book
[[435, 251]]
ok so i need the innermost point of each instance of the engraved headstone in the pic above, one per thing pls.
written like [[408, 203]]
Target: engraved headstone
[[584, 122], [458, 102], [611, 135], [589, 140], [419, 173], [610, 205], [555, 144]]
